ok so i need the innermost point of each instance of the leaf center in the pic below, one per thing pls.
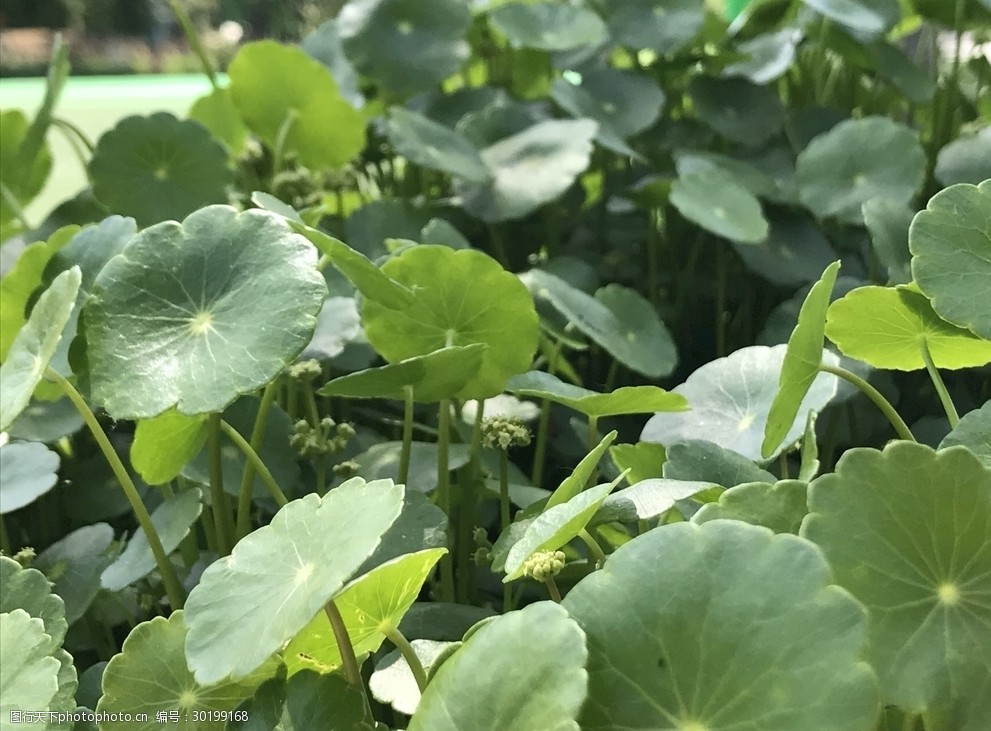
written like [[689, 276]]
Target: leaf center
[[948, 593], [201, 323]]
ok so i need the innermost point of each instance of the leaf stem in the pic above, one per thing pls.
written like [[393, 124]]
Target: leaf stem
[[593, 441], [596, 556], [444, 492], [248, 476], [351, 670], [218, 496], [173, 588], [259, 465], [409, 654], [543, 424], [193, 38], [937, 379], [278, 151], [466, 510], [504, 517], [874, 395], [552, 589], [407, 434]]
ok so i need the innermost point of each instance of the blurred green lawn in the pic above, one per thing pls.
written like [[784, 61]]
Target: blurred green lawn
[[95, 104]]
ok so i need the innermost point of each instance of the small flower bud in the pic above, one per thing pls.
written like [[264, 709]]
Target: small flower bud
[[504, 432], [25, 556], [346, 469], [305, 370], [544, 564]]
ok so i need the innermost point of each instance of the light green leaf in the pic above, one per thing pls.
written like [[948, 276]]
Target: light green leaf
[[434, 146], [74, 564], [28, 671], [855, 161], [575, 482], [407, 45], [159, 168], [714, 200], [150, 675], [780, 507], [555, 527], [803, 357], [873, 18], [432, 377], [523, 671], [172, 520], [664, 26], [647, 499], [737, 109], [193, 315], [280, 576], [216, 111], [718, 626], [619, 319], [324, 44], [35, 344], [887, 328], [547, 26], [529, 168], [371, 606], [906, 531], [624, 400], [644, 460], [974, 432], [696, 459], [809, 466], [30, 590], [461, 297], [23, 181], [967, 159], [165, 443], [27, 471], [281, 92], [731, 400], [951, 255]]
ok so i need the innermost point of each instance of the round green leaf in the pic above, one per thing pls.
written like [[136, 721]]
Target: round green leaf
[[555, 527], [408, 45], [529, 169], [547, 26], [35, 345], [308, 701], [664, 26], [780, 507], [737, 109], [721, 626], [870, 17], [950, 243], [192, 315], [429, 378], [91, 248], [280, 576], [27, 471], [888, 327], [714, 200], [30, 590], [159, 168], [371, 606], [165, 443], [647, 499], [523, 671], [150, 675], [965, 160], [908, 532], [460, 298], [46, 421], [769, 56], [624, 400], [381, 461], [974, 432], [74, 564], [794, 253], [619, 319], [216, 112], [626, 102], [803, 357], [172, 520], [280, 91], [888, 224], [393, 682], [434, 146], [696, 459], [730, 400], [855, 161], [28, 671]]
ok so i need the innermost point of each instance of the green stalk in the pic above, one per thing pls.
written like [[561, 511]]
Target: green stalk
[[15, 206], [552, 589], [592, 443], [543, 424], [407, 434], [68, 127], [280, 141], [937, 379], [874, 395], [218, 496], [504, 517], [351, 670], [444, 492], [596, 556], [209, 529], [406, 650], [193, 39], [653, 254], [783, 464], [5, 544], [259, 466], [466, 510], [173, 588], [248, 476]]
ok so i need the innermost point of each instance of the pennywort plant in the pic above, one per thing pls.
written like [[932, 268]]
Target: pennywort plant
[[503, 365]]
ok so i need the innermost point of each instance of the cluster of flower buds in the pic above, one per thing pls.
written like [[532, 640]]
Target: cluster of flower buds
[[544, 564], [25, 557], [304, 371], [328, 438], [346, 469], [504, 432], [483, 552]]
